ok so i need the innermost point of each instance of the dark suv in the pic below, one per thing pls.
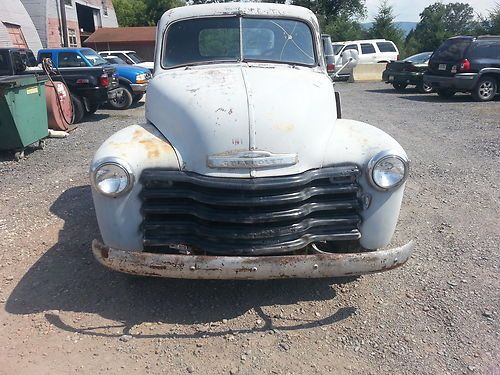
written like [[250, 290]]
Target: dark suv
[[466, 64]]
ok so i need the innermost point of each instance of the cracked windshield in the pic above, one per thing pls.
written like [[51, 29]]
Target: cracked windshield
[[200, 41]]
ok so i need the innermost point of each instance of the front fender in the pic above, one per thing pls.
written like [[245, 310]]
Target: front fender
[[354, 141], [141, 147]]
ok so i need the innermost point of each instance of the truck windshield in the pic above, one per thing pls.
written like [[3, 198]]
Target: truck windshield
[[230, 39], [93, 57]]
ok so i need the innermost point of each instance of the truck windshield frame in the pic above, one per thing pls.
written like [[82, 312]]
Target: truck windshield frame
[[211, 40]]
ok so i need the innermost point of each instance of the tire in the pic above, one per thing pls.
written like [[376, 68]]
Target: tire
[[137, 97], [123, 99], [485, 89], [92, 108], [425, 88], [445, 93], [399, 86], [78, 109]]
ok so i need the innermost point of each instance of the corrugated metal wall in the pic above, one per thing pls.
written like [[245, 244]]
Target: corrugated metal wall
[[13, 11]]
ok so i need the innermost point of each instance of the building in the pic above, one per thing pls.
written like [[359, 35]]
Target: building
[[139, 39], [83, 17], [16, 27]]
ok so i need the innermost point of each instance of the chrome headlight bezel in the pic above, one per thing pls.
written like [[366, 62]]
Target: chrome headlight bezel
[[384, 155], [124, 166]]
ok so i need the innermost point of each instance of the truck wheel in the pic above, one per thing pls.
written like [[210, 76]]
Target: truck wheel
[[78, 109], [485, 89], [123, 98], [399, 86], [425, 88], [445, 93], [137, 97]]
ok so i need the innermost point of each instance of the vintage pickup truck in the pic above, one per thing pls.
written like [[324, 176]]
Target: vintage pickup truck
[[243, 169]]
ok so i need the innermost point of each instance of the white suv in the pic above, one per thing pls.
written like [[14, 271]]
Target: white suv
[[369, 51]]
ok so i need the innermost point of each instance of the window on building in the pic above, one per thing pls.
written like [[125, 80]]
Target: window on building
[[367, 48], [73, 42], [104, 7], [16, 35]]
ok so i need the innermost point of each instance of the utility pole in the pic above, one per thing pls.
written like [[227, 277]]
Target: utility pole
[[64, 24]]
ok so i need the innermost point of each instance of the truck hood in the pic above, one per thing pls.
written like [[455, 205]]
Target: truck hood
[[244, 120]]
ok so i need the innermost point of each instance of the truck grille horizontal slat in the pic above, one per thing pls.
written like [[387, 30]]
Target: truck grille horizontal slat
[[241, 216]]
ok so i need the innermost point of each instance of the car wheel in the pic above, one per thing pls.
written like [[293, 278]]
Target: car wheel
[[92, 107], [445, 93], [399, 86], [485, 89], [425, 88], [123, 98], [78, 109], [137, 97]]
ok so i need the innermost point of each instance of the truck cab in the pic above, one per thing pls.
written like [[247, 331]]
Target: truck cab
[[243, 168]]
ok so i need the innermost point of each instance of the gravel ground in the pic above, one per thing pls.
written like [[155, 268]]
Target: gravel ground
[[63, 313]]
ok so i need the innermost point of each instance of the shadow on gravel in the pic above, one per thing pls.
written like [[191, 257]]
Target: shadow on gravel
[[68, 279], [434, 98], [390, 90]]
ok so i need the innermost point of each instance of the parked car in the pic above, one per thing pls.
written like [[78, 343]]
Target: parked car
[[89, 87], [466, 64], [370, 51], [132, 81], [409, 71], [130, 58], [244, 169]]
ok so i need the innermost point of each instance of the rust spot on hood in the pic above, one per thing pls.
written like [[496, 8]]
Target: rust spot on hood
[[153, 144]]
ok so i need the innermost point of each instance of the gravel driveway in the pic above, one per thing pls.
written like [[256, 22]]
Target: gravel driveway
[[63, 313]]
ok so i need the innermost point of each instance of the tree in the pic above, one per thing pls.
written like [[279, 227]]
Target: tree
[[439, 22], [344, 28], [384, 27], [330, 10], [489, 24], [142, 12]]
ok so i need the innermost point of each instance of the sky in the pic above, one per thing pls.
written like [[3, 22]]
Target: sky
[[408, 10]]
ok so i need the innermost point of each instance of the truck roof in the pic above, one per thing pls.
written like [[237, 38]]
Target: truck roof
[[245, 9], [64, 49]]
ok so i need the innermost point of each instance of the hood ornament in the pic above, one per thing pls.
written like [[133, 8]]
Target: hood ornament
[[251, 159]]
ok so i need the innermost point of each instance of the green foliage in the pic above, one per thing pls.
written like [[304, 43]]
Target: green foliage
[[439, 22], [384, 27], [330, 10], [344, 28], [489, 24], [142, 12]]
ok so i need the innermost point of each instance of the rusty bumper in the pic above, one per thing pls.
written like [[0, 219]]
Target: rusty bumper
[[263, 267]]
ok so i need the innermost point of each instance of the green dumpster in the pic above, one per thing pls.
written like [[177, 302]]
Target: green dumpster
[[23, 111]]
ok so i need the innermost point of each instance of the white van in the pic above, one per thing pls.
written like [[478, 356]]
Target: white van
[[370, 51]]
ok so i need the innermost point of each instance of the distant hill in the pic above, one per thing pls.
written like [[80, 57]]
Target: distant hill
[[405, 26]]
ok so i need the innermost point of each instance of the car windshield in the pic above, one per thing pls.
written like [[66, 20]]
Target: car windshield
[[135, 57], [231, 39], [94, 58], [337, 48], [452, 50], [419, 58]]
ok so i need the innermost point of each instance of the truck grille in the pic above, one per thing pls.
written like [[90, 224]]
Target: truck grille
[[241, 216]]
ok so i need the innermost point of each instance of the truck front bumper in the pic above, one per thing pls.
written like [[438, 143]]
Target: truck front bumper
[[139, 88], [246, 268]]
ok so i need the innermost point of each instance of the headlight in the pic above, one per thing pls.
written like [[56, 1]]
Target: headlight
[[112, 177], [140, 78], [387, 171]]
